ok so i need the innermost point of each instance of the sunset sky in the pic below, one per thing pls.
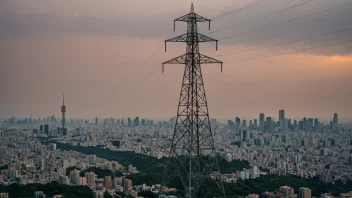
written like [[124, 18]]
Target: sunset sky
[[106, 57]]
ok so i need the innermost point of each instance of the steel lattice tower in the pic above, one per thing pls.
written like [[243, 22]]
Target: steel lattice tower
[[63, 112], [192, 156]]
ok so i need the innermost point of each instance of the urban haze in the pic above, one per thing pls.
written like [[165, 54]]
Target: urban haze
[[155, 98]]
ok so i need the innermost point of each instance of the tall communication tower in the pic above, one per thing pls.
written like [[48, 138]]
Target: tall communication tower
[[63, 112], [192, 156]]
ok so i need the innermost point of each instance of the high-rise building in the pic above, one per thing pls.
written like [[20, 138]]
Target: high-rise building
[[269, 124], [230, 124], [255, 172], [335, 120], [295, 125], [304, 193], [255, 124], [60, 172], [310, 123], [64, 180], [238, 122], [74, 176], [127, 183], [244, 134], [261, 121], [287, 192], [42, 164], [82, 181], [63, 112], [96, 121], [46, 129], [107, 182], [115, 182], [244, 124], [136, 121], [53, 147], [92, 159], [316, 124], [129, 123], [98, 194], [90, 178], [282, 119]]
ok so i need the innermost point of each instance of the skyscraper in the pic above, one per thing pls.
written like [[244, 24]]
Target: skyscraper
[[255, 124], [304, 193], [107, 182], [261, 121], [309, 126], [96, 121], [90, 178], [287, 191], [335, 121], [269, 124], [244, 124], [129, 122], [282, 119], [92, 159], [136, 121], [230, 124], [74, 176], [238, 121], [316, 124], [63, 112], [127, 183]]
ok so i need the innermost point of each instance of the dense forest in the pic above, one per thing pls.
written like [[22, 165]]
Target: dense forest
[[144, 163]]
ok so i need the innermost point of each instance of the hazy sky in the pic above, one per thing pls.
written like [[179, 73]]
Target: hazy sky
[[106, 56]]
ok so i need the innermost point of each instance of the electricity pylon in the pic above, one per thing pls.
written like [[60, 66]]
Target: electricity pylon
[[192, 156]]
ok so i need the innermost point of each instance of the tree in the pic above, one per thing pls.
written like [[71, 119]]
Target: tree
[[107, 195]]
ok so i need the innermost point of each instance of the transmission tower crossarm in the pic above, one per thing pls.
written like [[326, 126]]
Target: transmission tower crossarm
[[185, 38], [203, 59], [191, 17], [208, 60], [178, 60]]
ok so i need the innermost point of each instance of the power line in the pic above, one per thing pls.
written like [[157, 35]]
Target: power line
[[201, 7], [258, 18], [213, 6], [281, 54], [288, 21], [147, 76], [253, 4], [275, 45], [223, 4]]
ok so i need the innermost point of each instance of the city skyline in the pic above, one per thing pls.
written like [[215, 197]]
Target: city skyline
[[281, 113], [86, 53], [91, 103]]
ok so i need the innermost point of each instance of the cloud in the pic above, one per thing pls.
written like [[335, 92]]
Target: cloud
[[159, 24], [97, 45]]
